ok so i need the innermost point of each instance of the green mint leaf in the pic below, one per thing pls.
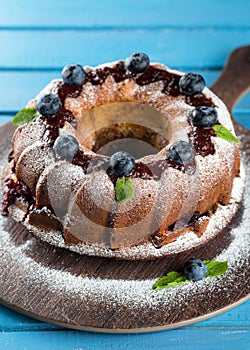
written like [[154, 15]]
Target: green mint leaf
[[124, 189], [215, 268], [25, 115], [172, 279], [224, 133]]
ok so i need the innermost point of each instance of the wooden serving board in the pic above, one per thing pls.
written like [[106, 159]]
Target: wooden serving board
[[108, 295]]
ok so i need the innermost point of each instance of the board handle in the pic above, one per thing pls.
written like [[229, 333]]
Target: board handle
[[234, 81]]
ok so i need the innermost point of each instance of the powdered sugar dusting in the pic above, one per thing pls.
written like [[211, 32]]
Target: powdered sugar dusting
[[217, 222], [212, 170], [134, 295]]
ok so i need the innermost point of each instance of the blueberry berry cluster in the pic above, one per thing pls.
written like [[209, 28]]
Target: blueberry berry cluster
[[191, 84]]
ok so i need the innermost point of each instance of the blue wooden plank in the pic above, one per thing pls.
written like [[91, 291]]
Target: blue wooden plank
[[13, 321], [175, 47], [172, 340], [4, 119], [20, 87], [243, 119], [149, 13]]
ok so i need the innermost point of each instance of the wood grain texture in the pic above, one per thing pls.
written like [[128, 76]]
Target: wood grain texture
[[38, 299], [152, 13], [209, 339], [236, 319], [93, 47], [227, 87]]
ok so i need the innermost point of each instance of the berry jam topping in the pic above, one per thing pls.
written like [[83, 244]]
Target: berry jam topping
[[119, 74], [54, 123], [99, 75], [141, 171], [88, 163], [122, 163], [65, 147], [65, 90], [73, 74], [191, 84], [49, 105], [181, 152], [200, 137], [195, 269], [81, 160], [159, 166], [172, 86], [199, 100], [16, 189], [154, 74], [204, 116], [151, 74], [137, 63]]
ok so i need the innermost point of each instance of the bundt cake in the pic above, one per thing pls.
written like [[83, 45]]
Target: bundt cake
[[127, 159]]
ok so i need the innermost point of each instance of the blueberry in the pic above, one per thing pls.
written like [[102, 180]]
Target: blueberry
[[195, 269], [191, 84], [48, 105], [137, 63], [73, 74], [181, 152], [204, 116], [65, 147], [122, 163]]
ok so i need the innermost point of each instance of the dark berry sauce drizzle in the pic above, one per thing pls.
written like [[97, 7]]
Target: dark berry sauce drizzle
[[55, 122], [141, 170], [16, 189], [88, 163], [200, 137], [171, 87]]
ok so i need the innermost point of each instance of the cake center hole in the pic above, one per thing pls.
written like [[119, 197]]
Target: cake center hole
[[124, 126]]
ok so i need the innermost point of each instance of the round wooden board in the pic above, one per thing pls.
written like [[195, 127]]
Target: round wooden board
[[108, 295]]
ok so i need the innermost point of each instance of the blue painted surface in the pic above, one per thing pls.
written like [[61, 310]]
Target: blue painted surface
[[191, 47], [39, 37], [129, 13]]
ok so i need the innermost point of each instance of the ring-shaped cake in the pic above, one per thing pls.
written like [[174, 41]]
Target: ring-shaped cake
[[185, 182]]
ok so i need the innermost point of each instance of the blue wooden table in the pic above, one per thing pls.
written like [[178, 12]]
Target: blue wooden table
[[39, 37]]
